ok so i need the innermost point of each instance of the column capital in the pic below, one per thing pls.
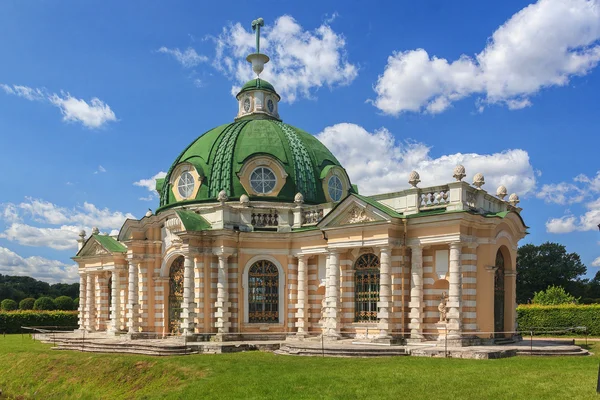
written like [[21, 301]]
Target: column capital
[[456, 245], [385, 249], [333, 252]]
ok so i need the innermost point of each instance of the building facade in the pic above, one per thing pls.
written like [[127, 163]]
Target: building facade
[[260, 231]]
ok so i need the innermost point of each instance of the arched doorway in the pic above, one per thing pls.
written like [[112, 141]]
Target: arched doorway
[[175, 294], [499, 294], [366, 288], [263, 293]]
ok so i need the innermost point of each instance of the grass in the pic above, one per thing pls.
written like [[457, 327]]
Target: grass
[[31, 370]]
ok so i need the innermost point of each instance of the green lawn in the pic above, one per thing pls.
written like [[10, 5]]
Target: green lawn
[[31, 370]]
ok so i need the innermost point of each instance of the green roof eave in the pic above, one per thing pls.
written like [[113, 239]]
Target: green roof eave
[[192, 221], [503, 214], [159, 184], [379, 206], [306, 228], [111, 244], [258, 84]]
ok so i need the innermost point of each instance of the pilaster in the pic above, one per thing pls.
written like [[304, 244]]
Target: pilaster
[[455, 292], [385, 293], [416, 294], [302, 309], [188, 306], [132, 302]]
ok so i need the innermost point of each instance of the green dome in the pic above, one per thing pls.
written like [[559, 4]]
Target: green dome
[[219, 155], [258, 84]]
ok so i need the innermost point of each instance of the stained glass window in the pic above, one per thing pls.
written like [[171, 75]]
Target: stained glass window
[[366, 288], [263, 293], [175, 294]]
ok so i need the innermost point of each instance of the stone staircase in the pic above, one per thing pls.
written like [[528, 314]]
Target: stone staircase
[[145, 347], [332, 350]]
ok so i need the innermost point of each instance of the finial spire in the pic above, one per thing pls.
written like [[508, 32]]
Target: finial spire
[[257, 59], [256, 24]]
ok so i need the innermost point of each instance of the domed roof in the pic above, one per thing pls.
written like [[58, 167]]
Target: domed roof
[[257, 84], [219, 155]]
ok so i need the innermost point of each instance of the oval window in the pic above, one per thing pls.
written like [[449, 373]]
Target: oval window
[[186, 185]]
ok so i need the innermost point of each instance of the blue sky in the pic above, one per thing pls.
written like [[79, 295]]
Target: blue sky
[[96, 96]]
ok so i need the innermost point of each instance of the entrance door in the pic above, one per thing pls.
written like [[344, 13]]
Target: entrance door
[[175, 294], [499, 295]]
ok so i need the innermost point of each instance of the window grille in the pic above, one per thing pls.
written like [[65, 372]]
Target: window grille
[[366, 288], [263, 293]]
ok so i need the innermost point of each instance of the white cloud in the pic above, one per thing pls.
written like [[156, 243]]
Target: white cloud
[[63, 238], [86, 215], [10, 213], [301, 60], [100, 169], [596, 262], [51, 271], [586, 222], [561, 193], [592, 183], [379, 164], [188, 58], [543, 45], [92, 115], [565, 224], [150, 184]]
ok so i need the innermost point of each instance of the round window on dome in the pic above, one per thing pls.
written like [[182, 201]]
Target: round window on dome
[[186, 185], [263, 180], [335, 188]]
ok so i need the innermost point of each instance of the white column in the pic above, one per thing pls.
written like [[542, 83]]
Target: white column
[[455, 292], [332, 292], [90, 303], [222, 304], [385, 293], [416, 294], [199, 293], [188, 306], [132, 301], [82, 295], [302, 313], [115, 302]]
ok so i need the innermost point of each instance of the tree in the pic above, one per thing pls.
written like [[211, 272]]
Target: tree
[[548, 264], [44, 303], [8, 305], [26, 304], [552, 296], [64, 303]]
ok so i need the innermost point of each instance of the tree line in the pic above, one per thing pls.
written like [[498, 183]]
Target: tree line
[[18, 288]]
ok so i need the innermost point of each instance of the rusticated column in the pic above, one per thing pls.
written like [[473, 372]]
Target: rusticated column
[[455, 292], [188, 306], [115, 302], [332, 292], [416, 294], [385, 292], [132, 301], [90, 301], [302, 313], [82, 299], [222, 304]]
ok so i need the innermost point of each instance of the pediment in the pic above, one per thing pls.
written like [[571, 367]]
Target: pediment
[[92, 249], [353, 211], [101, 245]]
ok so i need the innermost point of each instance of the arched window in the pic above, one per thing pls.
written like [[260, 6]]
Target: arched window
[[175, 294], [109, 289], [263, 293], [366, 288]]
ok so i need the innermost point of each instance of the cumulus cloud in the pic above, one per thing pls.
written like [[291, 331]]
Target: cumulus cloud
[[588, 221], [63, 238], [100, 169], [94, 114], [301, 60], [187, 58], [561, 193], [542, 45], [150, 184], [596, 262], [377, 163], [51, 271]]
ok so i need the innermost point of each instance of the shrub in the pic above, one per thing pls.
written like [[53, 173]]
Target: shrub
[[553, 295], [76, 304], [539, 318], [44, 304], [11, 322], [26, 304], [64, 303], [8, 305]]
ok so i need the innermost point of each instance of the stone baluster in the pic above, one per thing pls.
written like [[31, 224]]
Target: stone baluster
[[188, 305], [302, 313], [455, 292], [416, 294], [115, 308], [385, 293], [132, 300], [90, 302]]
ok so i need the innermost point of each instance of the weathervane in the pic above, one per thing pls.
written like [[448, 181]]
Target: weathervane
[[256, 24], [257, 60]]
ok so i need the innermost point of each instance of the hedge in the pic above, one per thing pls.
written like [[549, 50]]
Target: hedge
[[11, 322], [8, 305], [44, 304], [539, 318]]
